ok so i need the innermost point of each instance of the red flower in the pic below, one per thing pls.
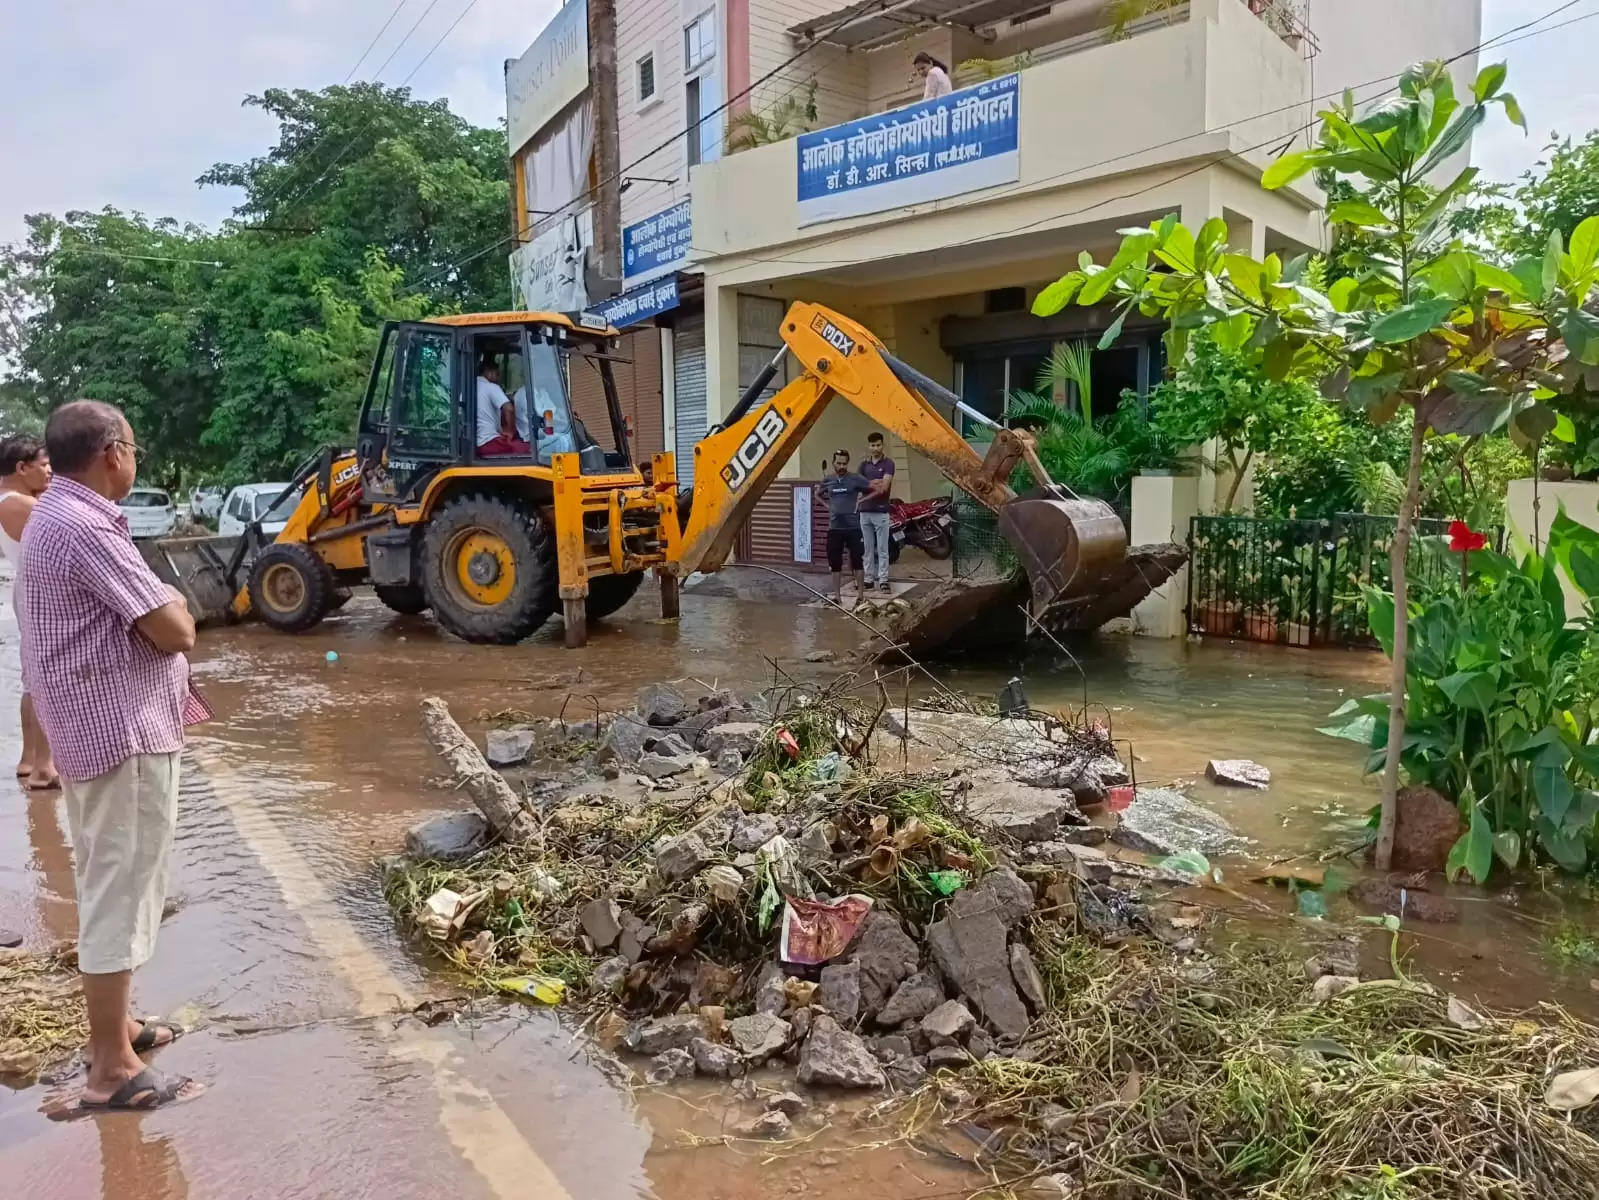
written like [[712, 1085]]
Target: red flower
[[1461, 538]]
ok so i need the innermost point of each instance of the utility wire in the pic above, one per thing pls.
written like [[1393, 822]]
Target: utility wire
[[375, 38]]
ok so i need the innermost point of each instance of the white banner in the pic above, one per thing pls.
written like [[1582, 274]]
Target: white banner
[[549, 76], [547, 273]]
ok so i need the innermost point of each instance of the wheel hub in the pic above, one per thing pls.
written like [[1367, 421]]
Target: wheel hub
[[483, 566], [282, 588]]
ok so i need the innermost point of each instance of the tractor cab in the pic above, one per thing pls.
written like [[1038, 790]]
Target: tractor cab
[[481, 391]]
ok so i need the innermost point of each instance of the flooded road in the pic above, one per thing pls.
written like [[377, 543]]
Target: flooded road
[[281, 950]]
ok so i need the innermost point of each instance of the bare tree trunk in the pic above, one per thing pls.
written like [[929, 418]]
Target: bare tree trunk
[[1240, 469], [1398, 561], [471, 770]]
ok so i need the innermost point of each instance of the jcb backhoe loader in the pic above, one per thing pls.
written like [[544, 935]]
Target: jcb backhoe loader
[[494, 544]]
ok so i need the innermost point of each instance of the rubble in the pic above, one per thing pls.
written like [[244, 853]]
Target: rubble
[[1025, 973], [508, 747], [665, 1033], [947, 1024], [678, 858], [1238, 772], [450, 838], [835, 1057], [661, 704], [760, 1035], [715, 1059], [969, 946], [912, 1000], [1163, 821], [773, 1123], [601, 920], [840, 991]]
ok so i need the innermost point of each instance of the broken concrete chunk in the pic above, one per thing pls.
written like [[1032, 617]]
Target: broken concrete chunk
[[678, 858], [979, 1044], [1164, 821], [720, 1062], [1012, 895], [508, 747], [840, 991], [759, 1036], [602, 921], [819, 656], [773, 1123], [681, 933], [952, 1057], [672, 746], [1025, 972], [624, 740], [906, 1074], [661, 704], [800, 1019], [742, 736], [886, 956], [635, 936], [450, 838], [969, 947], [729, 762], [1328, 986], [661, 766], [892, 1046], [912, 1000], [1238, 772], [671, 1064], [791, 1103], [948, 1023], [833, 1056], [753, 830], [660, 1034], [610, 976], [1111, 771], [770, 996]]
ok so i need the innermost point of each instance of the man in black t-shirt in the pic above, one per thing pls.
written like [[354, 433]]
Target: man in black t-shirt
[[841, 492]]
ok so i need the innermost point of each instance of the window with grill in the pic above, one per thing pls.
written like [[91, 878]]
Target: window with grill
[[646, 78]]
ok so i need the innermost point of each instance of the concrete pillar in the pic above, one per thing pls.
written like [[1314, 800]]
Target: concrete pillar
[[721, 350], [1577, 499], [1162, 507]]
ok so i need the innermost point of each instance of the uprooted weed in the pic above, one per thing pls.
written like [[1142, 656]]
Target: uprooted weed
[[1222, 1078], [42, 1017]]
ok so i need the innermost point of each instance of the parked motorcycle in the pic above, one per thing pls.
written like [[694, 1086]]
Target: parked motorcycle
[[926, 524]]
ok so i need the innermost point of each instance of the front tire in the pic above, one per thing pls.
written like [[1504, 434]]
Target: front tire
[[291, 589], [936, 543], [488, 568], [608, 593], [405, 598]]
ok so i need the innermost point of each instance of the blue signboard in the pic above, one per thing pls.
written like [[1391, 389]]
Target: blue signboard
[[657, 244], [640, 304], [958, 143]]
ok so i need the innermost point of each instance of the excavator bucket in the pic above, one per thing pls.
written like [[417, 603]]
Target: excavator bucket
[[1068, 545], [199, 568]]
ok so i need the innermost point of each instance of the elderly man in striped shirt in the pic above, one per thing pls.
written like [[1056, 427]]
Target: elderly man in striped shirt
[[103, 644]]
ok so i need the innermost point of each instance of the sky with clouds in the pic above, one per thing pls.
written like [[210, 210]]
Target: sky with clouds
[[126, 102]]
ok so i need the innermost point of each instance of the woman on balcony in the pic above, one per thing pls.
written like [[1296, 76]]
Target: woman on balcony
[[935, 76]]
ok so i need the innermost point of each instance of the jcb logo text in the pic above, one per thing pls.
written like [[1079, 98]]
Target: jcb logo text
[[754, 448]]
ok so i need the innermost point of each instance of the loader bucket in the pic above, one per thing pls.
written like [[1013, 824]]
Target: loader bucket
[[198, 568], [1068, 546]]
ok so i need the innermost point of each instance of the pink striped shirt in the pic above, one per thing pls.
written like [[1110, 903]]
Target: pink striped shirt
[[103, 693]]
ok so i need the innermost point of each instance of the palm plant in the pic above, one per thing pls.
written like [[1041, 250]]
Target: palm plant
[[1120, 14], [790, 116]]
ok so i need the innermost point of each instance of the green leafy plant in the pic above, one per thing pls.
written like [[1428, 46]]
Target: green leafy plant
[[790, 115], [1500, 700], [978, 70], [1120, 15], [1427, 323]]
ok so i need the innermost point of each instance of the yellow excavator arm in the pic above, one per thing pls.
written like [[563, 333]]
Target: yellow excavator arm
[[1067, 544]]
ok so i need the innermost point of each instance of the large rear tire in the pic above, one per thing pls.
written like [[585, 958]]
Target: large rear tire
[[488, 568], [608, 593], [405, 598], [291, 589], [936, 543]]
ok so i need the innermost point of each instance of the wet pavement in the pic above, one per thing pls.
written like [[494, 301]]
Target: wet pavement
[[280, 947]]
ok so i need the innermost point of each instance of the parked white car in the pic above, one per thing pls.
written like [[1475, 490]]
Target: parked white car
[[150, 512], [253, 502], [206, 503]]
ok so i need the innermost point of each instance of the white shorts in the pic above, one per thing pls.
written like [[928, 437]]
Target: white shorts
[[122, 826]]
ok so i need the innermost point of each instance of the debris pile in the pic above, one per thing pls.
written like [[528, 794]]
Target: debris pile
[[882, 905], [746, 883], [42, 1017]]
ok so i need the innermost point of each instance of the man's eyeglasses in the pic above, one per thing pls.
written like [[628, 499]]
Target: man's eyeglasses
[[132, 446]]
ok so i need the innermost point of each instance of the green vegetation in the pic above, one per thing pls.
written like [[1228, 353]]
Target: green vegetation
[[1427, 323], [1503, 697], [1574, 946], [237, 351]]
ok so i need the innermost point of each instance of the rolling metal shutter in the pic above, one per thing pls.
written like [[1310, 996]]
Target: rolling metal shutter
[[688, 340]]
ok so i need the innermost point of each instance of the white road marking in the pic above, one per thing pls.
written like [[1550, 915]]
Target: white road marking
[[472, 1119]]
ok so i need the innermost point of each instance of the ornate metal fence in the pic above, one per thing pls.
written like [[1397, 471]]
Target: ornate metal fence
[[1299, 583]]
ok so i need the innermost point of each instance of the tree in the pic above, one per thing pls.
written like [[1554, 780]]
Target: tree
[[236, 352], [1426, 323], [1556, 197]]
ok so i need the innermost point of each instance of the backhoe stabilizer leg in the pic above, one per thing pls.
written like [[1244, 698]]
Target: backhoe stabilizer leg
[[669, 595], [575, 613]]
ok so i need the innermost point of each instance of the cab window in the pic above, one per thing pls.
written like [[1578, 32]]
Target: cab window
[[423, 420]]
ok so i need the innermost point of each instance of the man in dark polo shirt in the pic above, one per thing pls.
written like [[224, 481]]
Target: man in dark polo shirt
[[841, 492], [877, 470]]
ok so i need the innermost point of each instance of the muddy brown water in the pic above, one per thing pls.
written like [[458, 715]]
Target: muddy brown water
[[281, 949]]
